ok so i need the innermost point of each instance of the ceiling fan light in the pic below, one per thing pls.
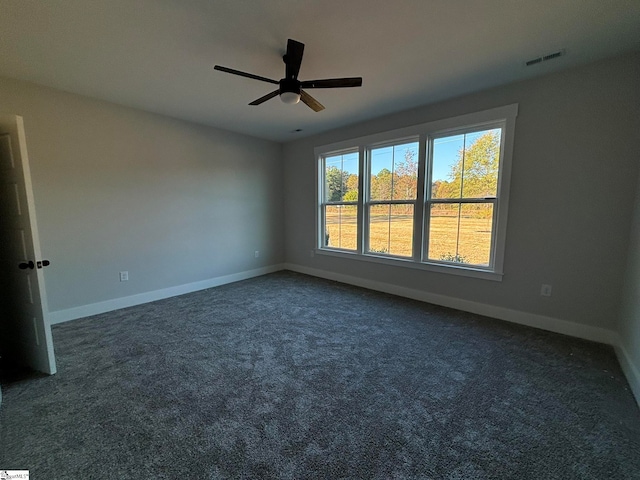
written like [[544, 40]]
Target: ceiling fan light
[[290, 98]]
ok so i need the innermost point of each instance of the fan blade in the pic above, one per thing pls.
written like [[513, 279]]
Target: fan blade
[[332, 83], [268, 96], [293, 58], [311, 102], [244, 74]]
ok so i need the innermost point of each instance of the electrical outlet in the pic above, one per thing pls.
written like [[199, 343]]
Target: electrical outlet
[[256, 254], [312, 254], [545, 290], [124, 276]]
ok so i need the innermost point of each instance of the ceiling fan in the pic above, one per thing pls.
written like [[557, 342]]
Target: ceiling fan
[[290, 88]]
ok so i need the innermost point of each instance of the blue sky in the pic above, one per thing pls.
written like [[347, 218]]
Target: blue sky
[[445, 154]]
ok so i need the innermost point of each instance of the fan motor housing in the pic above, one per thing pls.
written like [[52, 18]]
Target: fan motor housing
[[290, 85]]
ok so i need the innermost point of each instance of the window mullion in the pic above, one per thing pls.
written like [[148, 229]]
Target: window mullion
[[418, 209], [360, 215], [320, 211], [426, 191], [366, 198]]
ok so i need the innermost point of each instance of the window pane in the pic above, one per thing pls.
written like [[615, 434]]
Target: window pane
[[405, 171], [394, 172], [466, 165], [401, 230], [391, 229], [341, 178], [443, 231], [461, 233], [341, 226], [476, 224], [446, 171], [381, 168], [379, 229], [481, 162]]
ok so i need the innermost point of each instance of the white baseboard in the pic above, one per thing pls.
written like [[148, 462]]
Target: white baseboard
[[556, 325], [551, 324], [630, 370], [60, 316]]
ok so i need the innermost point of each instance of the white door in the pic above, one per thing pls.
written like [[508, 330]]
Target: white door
[[25, 332]]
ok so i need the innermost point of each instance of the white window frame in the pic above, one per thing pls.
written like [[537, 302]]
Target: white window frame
[[368, 202], [503, 117], [323, 202]]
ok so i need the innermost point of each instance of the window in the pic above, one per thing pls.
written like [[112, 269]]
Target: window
[[431, 196], [391, 198], [460, 203], [340, 200]]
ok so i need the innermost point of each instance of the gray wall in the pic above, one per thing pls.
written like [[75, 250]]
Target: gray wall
[[629, 326], [575, 167], [120, 189]]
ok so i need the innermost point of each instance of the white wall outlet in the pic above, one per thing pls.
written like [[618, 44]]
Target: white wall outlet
[[312, 253], [256, 254], [124, 276], [545, 290]]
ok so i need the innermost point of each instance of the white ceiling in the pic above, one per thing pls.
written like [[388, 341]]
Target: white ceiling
[[158, 55]]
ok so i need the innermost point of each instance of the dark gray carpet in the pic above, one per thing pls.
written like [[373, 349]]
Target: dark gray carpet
[[288, 376]]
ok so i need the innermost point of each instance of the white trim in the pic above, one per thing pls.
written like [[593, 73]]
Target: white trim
[[551, 324], [630, 370], [449, 269], [74, 313]]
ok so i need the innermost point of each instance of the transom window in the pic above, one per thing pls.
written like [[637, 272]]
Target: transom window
[[431, 196]]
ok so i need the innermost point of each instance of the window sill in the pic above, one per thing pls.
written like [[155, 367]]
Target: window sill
[[408, 263]]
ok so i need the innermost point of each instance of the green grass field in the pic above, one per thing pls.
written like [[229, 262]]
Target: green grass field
[[393, 233]]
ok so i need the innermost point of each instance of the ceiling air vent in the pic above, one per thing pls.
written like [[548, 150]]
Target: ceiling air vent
[[544, 58]]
